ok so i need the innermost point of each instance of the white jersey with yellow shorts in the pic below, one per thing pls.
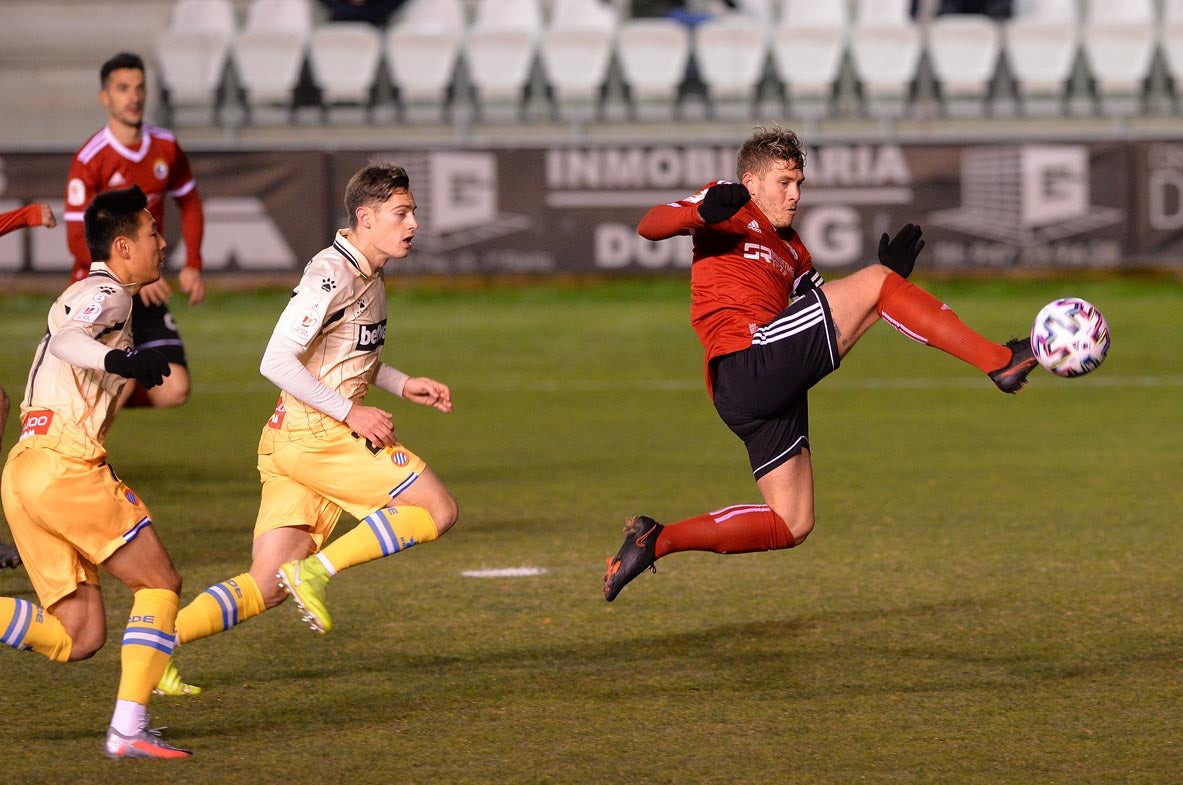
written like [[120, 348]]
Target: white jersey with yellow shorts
[[67, 509], [311, 464]]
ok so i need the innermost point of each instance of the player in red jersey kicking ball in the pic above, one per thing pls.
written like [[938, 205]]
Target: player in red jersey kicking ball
[[772, 329]]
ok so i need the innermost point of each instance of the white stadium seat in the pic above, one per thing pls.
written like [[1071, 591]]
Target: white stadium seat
[[885, 50], [1172, 42], [1118, 43], [344, 58], [653, 56], [1041, 43], [576, 52], [499, 51], [731, 52], [269, 51], [808, 47], [193, 51], [964, 50], [422, 49]]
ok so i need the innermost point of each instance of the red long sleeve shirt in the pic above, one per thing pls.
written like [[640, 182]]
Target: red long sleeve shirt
[[159, 167], [744, 270], [29, 215]]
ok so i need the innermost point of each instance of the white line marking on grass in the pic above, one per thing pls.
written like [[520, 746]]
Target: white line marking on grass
[[505, 572], [697, 385], [871, 383]]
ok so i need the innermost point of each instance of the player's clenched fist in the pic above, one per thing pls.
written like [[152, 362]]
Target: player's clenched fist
[[723, 201]]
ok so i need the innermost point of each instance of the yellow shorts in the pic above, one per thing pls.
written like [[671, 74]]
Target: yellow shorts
[[308, 482], [67, 515]]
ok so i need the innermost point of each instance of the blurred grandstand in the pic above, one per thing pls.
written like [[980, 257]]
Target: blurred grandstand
[[274, 72], [1030, 134]]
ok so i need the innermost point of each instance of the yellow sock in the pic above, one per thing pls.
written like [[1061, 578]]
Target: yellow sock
[[25, 626], [382, 533], [148, 642], [219, 608]]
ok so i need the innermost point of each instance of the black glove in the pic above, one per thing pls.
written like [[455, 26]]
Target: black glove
[[900, 252], [722, 201], [146, 366]]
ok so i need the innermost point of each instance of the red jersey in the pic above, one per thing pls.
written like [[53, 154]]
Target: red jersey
[[159, 167], [29, 215], [743, 274]]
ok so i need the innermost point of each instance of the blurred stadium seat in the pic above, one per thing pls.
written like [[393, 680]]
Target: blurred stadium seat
[[731, 52], [193, 51], [576, 53], [964, 50], [1119, 43], [269, 52], [50, 54], [422, 51], [1041, 43], [344, 58], [808, 48], [499, 52], [1172, 45], [885, 51], [653, 57]]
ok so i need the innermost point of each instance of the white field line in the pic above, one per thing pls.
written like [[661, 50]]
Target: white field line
[[971, 381], [505, 572]]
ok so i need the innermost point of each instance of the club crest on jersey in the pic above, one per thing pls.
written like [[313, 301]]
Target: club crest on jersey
[[371, 336], [131, 497], [399, 458], [328, 284], [160, 169]]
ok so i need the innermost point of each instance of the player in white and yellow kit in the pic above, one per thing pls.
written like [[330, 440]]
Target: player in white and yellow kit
[[68, 511], [324, 450]]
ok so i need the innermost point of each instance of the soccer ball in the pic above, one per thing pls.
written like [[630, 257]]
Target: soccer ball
[[1070, 337]]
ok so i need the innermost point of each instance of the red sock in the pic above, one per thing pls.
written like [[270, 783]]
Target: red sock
[[925, 319], [742, 528]]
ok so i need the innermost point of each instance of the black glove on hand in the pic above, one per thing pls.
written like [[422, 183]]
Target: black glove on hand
[[900, 252], [147, 366], [723, 201]]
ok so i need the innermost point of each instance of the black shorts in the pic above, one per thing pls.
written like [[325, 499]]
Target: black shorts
[[152, 327], [762, 392]]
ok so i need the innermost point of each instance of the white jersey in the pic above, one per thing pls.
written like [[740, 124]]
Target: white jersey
[[68, 408], [338, 315]]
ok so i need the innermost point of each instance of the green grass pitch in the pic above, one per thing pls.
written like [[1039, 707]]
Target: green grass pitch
[[991, 595]]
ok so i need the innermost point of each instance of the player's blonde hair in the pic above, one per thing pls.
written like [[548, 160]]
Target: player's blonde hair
[[373, 185], [767, 146]]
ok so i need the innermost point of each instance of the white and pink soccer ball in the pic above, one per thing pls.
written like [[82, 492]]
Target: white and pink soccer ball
[[1070, 337]]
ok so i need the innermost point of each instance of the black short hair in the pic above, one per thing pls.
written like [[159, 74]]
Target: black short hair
[[121, 60], [112, 214]]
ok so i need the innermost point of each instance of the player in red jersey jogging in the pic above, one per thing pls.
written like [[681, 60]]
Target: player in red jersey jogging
[[40, 214], [773, 328], [128, 151]]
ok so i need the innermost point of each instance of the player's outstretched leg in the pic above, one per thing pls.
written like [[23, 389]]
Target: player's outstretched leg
[[384, 532], [307, 581], [9, 556], [637, 554], [1011, 377]]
